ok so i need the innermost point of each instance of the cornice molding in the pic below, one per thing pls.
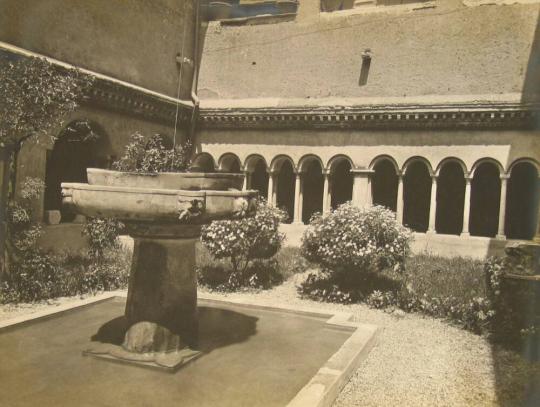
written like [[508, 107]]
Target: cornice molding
[[374, 117], [114, 96]]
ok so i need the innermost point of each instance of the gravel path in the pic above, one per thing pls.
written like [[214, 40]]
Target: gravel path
[[8, 311], [418, 361]]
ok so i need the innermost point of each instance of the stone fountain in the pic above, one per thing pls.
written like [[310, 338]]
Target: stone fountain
[[163, 213]]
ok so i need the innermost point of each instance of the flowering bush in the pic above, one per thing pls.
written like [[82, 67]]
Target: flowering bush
[[246, 239], [351, 238], [151, 155]]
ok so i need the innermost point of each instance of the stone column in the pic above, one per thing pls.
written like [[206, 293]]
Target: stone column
[[399, 203], [502, 207], [433, 204], [466, 208], [247, 181], [362, 187], [537, 234], [298, 198], [326, 192], [272, 188]]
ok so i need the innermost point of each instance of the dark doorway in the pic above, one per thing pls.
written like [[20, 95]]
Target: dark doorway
[[313, 184], [416, 196], [285, 189], [485, 200], [522, 202], [384, 185], [77, 148], [341, 183], [259, 179], [450, 198]]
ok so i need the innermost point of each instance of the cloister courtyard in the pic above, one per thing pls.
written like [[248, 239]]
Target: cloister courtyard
[[270, 203]]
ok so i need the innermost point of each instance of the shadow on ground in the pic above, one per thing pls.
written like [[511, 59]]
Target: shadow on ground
[[217, 328]]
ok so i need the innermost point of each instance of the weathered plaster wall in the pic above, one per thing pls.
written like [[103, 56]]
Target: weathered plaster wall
[[132, 40], [363, 146], [451, 49]]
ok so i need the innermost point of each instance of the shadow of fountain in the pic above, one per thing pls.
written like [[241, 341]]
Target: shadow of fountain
[[217, 328]]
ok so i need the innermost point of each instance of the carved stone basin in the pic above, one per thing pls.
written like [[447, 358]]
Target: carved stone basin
[[165, 222], [192, 181]]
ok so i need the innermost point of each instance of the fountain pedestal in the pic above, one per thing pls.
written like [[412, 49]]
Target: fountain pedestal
[[161, 308]]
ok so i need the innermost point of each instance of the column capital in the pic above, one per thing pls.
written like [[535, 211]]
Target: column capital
[[504, 177], [434, 177], [272, 172], [326, 172]]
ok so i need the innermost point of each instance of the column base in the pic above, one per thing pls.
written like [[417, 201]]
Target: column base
[[465, 234], [500, 237], [165, 361], [298, 223]]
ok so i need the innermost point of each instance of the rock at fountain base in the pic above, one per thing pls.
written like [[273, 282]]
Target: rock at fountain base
[[164, 361]]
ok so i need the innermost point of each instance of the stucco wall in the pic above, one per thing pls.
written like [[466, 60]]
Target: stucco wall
[[451, 49], [363, 146], [132, 40]]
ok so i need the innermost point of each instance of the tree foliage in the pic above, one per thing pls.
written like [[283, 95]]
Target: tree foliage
[[36, 95]]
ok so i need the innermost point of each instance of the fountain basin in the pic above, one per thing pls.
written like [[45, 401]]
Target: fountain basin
[[191, 181], [163, 213], [130, 204]]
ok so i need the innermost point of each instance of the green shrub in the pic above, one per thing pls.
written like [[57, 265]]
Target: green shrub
[[37, 275], [453, 289], [356, 240], [102, 234], [43, 276], [260, 274], [240, 241], [150, 155]]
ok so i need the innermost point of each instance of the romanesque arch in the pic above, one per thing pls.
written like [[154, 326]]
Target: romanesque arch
[[229, 162], [523, 195], [258, 173], [384, 182], [80, 145], [285, 184], [416, 194], [312, 186], [204, 162], [450, 196], [485, 198], [341, 180]]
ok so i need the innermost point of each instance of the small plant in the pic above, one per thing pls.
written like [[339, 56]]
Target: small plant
[[357, 240], [150, 155], [243, 240], [102, 234]]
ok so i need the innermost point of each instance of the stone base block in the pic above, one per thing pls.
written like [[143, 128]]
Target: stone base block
[[164, 361], [52, 217]]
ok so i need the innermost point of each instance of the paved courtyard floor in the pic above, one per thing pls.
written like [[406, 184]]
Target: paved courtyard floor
[[252, 357]]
